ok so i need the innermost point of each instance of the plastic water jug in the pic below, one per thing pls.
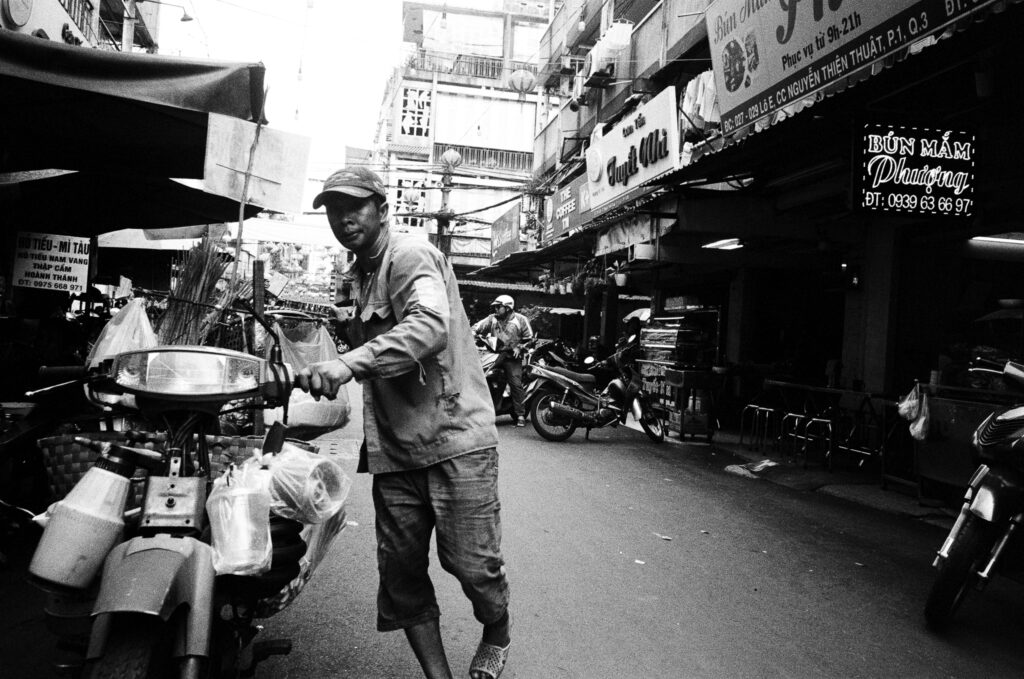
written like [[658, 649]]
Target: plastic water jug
[[84, 526]]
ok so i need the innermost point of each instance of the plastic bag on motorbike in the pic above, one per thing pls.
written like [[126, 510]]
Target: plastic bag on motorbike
[[318, 537], [910, 405], [304, 486], [239, 514], [919, 427], [310, 344], [128, 330]]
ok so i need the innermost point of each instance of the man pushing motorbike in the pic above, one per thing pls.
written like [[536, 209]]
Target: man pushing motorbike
[[513, 331], [428, 424]]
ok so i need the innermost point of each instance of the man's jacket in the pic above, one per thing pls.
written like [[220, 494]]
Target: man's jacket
[[511, 333], [423, 400]]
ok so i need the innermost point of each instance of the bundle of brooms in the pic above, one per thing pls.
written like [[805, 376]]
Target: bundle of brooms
[[199, 300]]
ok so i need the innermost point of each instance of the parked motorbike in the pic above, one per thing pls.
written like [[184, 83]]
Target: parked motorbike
[[553, 352], [561, 400], [141, 585], [983, 540]]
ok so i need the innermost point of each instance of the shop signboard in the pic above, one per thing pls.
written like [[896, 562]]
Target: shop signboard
[[565, 208], [769, 54], [505, 234], [641, 147], [914, 170], [47, 261]]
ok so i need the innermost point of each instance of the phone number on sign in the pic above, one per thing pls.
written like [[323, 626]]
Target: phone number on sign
[[946, 205]]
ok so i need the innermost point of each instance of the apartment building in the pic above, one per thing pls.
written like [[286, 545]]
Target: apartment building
[[465, 89]]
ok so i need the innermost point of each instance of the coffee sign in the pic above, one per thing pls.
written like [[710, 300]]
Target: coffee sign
[[565, 208], [916, 170]]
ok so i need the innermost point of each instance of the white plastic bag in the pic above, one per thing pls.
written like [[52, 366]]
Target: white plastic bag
[[919, 427], [910, 405], [128, 330], [239, 514], [305, 486], [303, 410]]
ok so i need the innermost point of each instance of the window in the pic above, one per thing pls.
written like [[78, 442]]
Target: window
[[410, 196], [415, 112]]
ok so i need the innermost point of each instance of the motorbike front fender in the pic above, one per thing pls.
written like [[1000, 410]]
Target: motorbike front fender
[[997, 495], [638, 408], [156, 576]]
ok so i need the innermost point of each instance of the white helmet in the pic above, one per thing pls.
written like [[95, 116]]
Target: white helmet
[[504, 300]]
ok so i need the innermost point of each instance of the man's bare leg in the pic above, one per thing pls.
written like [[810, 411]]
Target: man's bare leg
[[425, 639]]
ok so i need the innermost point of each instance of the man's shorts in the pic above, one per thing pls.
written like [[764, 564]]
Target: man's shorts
[[457, 498]]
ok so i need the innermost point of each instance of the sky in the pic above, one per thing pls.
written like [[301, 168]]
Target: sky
[[344, 49]]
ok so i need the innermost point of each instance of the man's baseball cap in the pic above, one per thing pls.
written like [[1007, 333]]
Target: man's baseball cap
[[356, 181]]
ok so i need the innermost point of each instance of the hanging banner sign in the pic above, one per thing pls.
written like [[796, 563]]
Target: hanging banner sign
[[767, 54], [641, 147], [564, 209], [505, 234], [51, 262], [918, 170]]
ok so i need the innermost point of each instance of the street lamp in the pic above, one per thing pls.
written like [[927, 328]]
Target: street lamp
[[131, 15], [450, 160], [185, 16]]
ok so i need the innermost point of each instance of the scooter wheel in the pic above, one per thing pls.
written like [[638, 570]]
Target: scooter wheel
[[548, 424], [971, 548]]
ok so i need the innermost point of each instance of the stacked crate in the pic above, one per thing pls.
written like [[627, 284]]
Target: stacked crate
[[687, 341]]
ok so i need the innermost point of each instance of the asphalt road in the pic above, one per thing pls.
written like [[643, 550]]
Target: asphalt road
[[629, 559]]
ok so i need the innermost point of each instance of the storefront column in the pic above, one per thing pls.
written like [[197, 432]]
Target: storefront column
[[736, 330], [610, 315], [868, 323]]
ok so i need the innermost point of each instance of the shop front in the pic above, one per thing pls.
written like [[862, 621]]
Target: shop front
[[858, 209]]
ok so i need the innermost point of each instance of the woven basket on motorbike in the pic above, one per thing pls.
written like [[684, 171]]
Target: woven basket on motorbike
[[67, 461], [226, 450]]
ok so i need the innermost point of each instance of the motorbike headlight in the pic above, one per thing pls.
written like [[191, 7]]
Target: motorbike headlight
[[188, 372]]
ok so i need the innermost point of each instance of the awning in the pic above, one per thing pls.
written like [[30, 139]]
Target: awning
[[124, 123], [571, 247], [698, 169]]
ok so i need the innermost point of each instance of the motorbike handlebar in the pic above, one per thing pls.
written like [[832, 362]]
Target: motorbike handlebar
[[50, 375]]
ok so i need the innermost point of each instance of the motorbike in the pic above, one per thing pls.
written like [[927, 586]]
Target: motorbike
[[553, 352], [135, 589], [561, 400], [490, 353], [983, 539]]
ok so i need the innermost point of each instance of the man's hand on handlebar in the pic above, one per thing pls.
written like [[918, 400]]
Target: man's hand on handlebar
[[324, 378]]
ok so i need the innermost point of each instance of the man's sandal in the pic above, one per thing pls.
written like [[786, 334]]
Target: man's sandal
[[489, 661]]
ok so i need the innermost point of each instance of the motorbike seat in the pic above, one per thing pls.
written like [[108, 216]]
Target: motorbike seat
[[585, 379]]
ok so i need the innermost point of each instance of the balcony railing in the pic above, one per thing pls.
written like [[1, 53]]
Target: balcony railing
[[457, 64], [80, 12], [490, 159]]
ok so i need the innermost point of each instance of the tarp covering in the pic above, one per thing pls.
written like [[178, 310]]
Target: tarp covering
[[76, 108], [125, 123]]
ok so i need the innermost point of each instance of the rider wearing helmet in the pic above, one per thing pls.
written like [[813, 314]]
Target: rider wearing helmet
[[512, 330]]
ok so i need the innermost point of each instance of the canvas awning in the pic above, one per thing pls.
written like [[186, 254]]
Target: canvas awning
[[123, 124]]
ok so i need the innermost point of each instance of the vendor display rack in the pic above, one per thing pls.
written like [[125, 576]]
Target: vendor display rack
[[679, 351]]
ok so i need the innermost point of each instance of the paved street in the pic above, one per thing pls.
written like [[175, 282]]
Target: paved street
[[632, 560]]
